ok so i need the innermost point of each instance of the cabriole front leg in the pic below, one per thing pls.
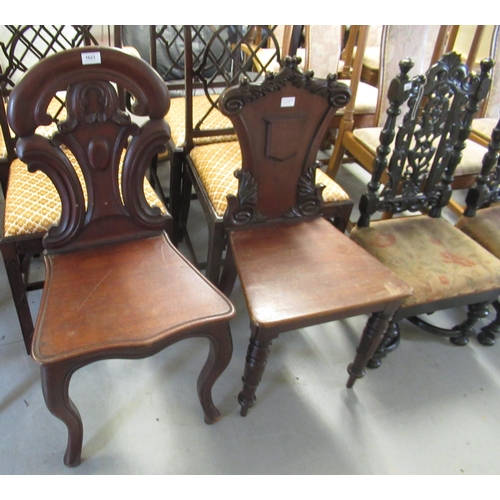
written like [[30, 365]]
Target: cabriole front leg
[[219, 356], [55, 387]]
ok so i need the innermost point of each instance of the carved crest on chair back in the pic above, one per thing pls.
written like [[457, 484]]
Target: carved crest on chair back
[[280, 123], [428, 146], [112, 152]]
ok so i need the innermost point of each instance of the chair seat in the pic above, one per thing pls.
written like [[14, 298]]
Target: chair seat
[[322, 260], [176, 118], [32, 203], [216, 164], [483, 127], [113, 305], [484, 228], [366, 99], [472, 155], [435, 258]]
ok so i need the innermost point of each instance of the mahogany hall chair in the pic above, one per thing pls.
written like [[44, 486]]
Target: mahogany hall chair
[[444, 267], [296, 269], [213, 151], [481, 218], [116, 287]]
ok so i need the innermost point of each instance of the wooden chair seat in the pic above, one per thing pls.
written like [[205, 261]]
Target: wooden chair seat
[[452, 264], [32, 204], [275, 296], [470, 164], [216, 164], [104, 321]]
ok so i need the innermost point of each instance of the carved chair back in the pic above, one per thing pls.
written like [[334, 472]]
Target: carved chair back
[[428, 145], [105, 203], [230, 53], [280, 123]]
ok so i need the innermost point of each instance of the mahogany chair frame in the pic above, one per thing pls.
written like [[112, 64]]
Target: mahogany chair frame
[[295, 268], [112, 272]]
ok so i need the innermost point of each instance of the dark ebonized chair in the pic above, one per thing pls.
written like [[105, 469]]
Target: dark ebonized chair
[[116, 287], [213, 151], [296, 269], [481, 218], [445, 267]]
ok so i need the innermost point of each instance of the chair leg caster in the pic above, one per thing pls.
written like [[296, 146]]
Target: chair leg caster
[[486, 338], [245, 404], [461, 340]]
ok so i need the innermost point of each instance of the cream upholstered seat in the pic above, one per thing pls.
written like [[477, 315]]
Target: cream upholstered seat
[[216, 164], [32, 204]]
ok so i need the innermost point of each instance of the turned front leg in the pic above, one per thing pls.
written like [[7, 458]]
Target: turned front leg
[[256, 360], [55, 387], [373, 334]]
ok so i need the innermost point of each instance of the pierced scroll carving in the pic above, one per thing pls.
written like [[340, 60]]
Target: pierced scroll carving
[[309, 199], [98, 138], [428, 145], [242, 209]]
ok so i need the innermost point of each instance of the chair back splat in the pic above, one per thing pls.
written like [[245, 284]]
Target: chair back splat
[[96, 132], [428, 146], [115, 286], [277, 178]]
